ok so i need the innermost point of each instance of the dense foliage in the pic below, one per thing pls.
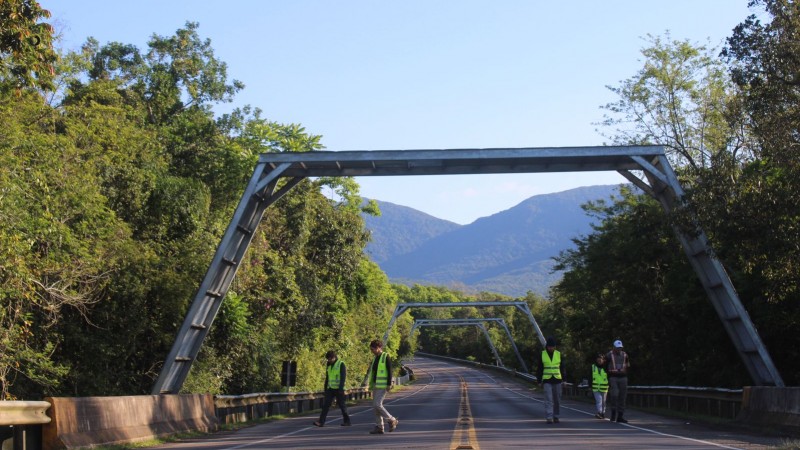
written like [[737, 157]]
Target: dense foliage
[[730, 131], [114, 192], [732, 136], [117, 182]]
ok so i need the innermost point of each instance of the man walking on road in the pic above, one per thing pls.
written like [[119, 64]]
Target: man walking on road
[[335, 375], [380, 382], [618, 366], [551, 370]]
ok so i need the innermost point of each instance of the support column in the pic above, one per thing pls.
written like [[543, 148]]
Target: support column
[[260, 194]]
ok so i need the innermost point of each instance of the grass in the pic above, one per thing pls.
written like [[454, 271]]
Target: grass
[[788, 445]]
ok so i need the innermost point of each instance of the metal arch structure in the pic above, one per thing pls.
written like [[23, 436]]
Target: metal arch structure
[[480, 325], [456, 322], [276, 174], [522, 306]]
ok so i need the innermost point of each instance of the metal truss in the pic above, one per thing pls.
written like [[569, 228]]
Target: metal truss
[[521, 306], [479, 321], [277, 173], [665, 187]]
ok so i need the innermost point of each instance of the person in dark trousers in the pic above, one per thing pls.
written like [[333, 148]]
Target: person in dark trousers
[[380, 382], [617, 368], [550, 374], [335, 376]]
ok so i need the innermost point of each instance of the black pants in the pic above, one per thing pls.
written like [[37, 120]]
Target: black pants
[[617, 392], [330, 394]]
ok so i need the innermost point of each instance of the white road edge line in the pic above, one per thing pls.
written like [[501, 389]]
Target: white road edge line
[[648, 430]]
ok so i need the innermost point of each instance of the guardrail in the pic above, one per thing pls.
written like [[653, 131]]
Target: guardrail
[[243, 408], [704, 401], [21, 424], [713, 402], [525, 376], [79, 422]]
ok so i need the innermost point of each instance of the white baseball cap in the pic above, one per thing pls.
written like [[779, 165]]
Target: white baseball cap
[[617, 344]]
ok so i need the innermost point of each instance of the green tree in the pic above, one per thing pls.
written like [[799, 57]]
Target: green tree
[[109, 110], [764, 64], [758, 211], [27, 57], [630, 280], [679, 99], [61, 243], [113, 198]]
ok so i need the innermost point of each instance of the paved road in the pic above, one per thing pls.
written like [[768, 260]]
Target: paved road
[[451, 407]]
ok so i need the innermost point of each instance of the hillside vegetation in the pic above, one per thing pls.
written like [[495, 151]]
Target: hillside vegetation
[[511, 252], [117, 182]]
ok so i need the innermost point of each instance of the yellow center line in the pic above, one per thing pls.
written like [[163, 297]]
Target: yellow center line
[[464, 435]]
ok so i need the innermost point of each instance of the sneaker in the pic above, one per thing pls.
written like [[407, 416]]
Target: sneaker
[[555, 420], [602, 415], [319, 424], [346, 424], [621, 420], [376, 430], [549, 421], [598, 416], [393, 424]]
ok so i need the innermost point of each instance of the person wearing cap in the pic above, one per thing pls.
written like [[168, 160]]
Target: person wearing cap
[[335, 375], [617, 365], [550, 374]]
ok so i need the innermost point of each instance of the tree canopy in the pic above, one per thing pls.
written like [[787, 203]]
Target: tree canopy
[[117, 182]]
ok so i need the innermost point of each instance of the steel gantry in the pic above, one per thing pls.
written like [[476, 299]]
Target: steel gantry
[[521, 306], [480, 322], [276, 174]]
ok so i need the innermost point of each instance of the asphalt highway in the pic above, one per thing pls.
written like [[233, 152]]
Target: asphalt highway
[[455, 407]]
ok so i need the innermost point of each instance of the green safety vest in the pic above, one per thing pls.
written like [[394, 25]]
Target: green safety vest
[[382, 378], [599, 379], [335, 375], [552, 368]]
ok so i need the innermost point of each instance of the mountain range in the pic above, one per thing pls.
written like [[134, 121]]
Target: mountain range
[[510, 252]]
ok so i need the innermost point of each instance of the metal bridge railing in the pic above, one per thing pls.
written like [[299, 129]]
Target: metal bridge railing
[[21, 423], [703, 401], [243, 408]]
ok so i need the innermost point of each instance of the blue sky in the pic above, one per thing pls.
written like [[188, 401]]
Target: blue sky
[[380, 75]]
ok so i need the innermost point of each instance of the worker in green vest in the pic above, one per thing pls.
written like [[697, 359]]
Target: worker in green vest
[[335, 375], [380, 382], [551, 372], [600, 385]]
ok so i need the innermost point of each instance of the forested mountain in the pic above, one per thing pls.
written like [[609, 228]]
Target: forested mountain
[[400, 230], [117, 183], [510, 252]]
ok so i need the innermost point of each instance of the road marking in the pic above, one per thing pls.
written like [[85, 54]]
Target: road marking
[[647, 430], [369, 409], [464, 435]]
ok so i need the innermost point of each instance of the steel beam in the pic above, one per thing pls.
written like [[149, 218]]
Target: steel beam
[[480, 325], [522, 306], [498, 320], [261, 192]]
